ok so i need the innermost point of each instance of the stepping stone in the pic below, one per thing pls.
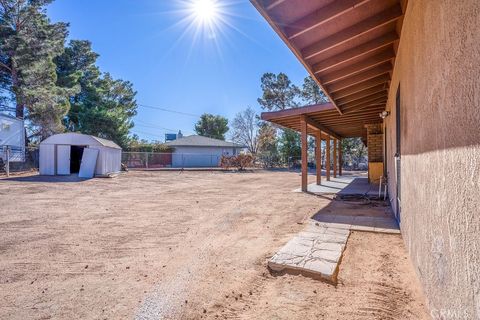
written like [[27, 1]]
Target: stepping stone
[[317, 250], [314, 252]]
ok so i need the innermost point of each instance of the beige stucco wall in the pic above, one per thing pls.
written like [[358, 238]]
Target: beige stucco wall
[[438, 68]]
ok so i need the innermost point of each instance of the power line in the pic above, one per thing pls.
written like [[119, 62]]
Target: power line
[[169, 110]]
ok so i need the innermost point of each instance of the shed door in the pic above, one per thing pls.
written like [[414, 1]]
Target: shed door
[[89, 162], [63, 160]]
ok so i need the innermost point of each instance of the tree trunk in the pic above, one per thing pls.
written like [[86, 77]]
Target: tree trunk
[[19, 107]]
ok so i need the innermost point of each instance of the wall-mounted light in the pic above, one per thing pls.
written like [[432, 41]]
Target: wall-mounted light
[[384, 114]]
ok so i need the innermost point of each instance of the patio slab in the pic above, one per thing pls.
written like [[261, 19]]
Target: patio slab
[[317, 250], [344, 186]]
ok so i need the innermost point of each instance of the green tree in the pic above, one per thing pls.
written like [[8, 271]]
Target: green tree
[[104, 106], [311, 92], [290, 145], [353, 151], [278, 92], [28, 45], [212, 126]]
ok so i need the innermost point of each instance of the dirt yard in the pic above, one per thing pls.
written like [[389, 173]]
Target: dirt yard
[[173, 245]]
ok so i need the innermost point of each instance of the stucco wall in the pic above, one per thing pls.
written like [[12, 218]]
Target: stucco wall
[[438, 69]]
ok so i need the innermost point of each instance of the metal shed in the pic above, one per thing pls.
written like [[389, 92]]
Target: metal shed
[[71, 153]]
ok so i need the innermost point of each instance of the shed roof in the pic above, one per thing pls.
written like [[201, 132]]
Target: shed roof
[[200, 141], [73, 138]]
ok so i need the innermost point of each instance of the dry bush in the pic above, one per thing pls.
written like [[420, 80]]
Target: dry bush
[[239, 162]]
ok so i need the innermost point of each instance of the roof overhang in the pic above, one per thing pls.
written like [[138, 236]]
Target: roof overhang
[[348, 47]]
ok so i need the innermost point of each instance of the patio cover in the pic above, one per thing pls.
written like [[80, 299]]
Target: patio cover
[[349, 48]]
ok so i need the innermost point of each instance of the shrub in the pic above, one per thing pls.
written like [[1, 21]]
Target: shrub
[[240, 161]]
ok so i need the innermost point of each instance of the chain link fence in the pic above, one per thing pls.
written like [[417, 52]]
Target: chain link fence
[[156, 160]]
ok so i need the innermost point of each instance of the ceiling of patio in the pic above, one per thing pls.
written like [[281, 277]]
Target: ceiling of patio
[[348, 46]]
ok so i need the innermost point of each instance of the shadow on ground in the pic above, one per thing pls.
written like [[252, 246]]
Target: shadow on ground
[[46, 179]]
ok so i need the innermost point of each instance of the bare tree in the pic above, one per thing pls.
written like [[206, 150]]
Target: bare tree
[[245, 129]]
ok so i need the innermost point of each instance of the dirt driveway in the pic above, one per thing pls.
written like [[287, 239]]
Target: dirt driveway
[[153, 245]]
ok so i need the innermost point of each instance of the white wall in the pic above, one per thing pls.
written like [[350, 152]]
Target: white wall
[[47, 160], [109, 160], [199, 156]]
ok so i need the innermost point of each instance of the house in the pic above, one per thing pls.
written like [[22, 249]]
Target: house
[[75, 153], [404, 76], [12, 139], [199, 151]]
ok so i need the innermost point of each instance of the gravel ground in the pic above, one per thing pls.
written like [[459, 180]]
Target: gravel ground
[[183, 245]]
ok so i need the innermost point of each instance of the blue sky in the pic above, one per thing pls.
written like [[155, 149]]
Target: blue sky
[[174, 63]]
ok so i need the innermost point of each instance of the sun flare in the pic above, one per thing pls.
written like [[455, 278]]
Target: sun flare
[[205, 11]]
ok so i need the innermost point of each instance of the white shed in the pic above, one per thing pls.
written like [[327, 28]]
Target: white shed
[[69, 153]]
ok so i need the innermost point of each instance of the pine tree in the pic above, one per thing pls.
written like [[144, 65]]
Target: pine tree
[[104, 106], [29, 42]]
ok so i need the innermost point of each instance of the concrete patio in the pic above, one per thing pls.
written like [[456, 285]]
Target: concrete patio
[[317, 250], [344, 186]]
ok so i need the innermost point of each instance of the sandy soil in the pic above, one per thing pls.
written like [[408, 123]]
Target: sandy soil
[[152, 245]]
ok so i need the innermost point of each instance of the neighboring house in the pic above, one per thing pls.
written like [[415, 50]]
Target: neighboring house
[[404, 76], [12, 138], [198, 151]]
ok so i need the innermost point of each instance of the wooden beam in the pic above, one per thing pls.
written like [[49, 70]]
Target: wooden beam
[[359, 95], [296, 51], [270, 4], [363, 86], [303, 123], [368, 98], [327, 166], [352, 32], [355, 52], [318, 157], [369, 106], [321, 127], [365, 64], [340, 157], [296, 111], [321, 16], [360, 77], [335, 146]]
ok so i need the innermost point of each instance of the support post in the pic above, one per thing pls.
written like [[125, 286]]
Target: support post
[[327, 167], [303, 125], [318, 157], [340, 157], [335, 158]]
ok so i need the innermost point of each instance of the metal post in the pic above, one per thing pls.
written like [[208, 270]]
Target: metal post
[[8, 161], [146, 161]]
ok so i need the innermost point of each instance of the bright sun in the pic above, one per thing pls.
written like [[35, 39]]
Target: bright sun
[[205, 11]]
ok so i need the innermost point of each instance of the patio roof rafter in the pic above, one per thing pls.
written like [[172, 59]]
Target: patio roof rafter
[[349, 48]]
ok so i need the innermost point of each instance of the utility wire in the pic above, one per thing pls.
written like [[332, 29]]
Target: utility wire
[[169, 110]]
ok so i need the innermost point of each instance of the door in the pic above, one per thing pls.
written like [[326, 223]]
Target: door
[[89, 163], [63, 160], [398, 155]]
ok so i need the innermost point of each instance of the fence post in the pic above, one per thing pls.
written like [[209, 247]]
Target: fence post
[[146, 161], [8, 161]]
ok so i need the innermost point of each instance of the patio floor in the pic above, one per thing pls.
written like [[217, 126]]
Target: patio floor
[[317, 250], [344, 186]]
